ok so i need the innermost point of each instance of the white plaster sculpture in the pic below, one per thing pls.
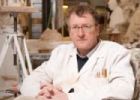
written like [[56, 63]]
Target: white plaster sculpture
[[116, 17], [133, 31]]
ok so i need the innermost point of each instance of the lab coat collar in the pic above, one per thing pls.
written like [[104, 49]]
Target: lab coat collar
[[93, 50], [99, 45], [95, 54]]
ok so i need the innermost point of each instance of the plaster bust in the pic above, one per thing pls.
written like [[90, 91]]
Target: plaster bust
[[116, 18]]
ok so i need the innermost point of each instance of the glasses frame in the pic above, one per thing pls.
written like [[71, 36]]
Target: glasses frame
[[84, 28]]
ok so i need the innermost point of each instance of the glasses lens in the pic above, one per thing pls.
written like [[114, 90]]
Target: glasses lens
[[85, 28]]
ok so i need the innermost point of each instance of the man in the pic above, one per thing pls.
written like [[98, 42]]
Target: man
[[87, 69]]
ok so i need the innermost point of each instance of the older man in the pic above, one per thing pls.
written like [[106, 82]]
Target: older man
[[87, 69]]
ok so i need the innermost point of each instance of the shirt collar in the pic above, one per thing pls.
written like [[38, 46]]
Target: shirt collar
[[91, 52]]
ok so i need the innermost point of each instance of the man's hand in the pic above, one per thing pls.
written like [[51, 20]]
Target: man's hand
[[49, 92], [61, 96]]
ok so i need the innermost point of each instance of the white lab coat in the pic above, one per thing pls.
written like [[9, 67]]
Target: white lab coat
[[61, 70]]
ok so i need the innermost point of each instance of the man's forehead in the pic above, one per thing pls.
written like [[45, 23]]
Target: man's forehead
[[81, 20], [84, 15]]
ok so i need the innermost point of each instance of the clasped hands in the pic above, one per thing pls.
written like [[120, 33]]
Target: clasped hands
[[49, 92]]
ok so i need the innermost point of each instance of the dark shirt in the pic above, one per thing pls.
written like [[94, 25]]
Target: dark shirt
[[81, 62]]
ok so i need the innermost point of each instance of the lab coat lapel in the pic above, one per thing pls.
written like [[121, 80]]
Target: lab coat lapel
[[71, 74], [91, 63], [72, 62]]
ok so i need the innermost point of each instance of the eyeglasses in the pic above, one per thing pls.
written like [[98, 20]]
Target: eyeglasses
[[85, 28]]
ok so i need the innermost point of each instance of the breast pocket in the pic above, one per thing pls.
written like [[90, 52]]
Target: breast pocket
[[92, 83], [101, 69]]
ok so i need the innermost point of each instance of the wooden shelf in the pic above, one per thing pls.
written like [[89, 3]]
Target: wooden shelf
[[18, 9]]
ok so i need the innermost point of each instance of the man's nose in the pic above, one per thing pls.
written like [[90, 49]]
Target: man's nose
[[80, 32]]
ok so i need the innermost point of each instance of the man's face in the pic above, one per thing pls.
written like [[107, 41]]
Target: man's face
[[83, 31]]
